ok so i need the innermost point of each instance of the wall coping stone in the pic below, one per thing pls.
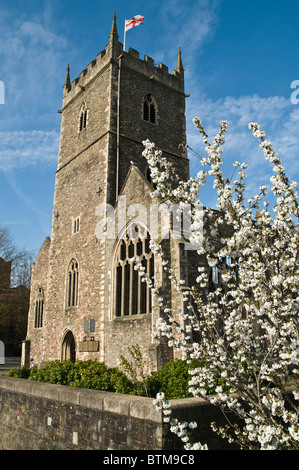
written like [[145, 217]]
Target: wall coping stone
[[127, 405]]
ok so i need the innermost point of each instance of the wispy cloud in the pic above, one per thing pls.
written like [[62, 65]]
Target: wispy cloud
[[277, 116], [32, 66], [21, 149], [193, 24], [41, 217], [190, 24], [15, 222], [200, 14], [31, 57]]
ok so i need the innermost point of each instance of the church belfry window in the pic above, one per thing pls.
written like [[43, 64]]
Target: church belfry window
[[132, 295], [72, 284], [149, 109], [83, 117]]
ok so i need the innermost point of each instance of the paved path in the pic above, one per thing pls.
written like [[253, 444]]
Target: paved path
[[10, 363]]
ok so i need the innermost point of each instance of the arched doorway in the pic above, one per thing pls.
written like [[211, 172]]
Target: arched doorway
[[68, 352]]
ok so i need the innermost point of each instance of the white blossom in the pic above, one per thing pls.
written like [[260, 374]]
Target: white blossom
[[248, 325]]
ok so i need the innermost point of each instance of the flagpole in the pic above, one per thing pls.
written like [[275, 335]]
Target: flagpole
[[118, 113], [124, 48], [118, 119]]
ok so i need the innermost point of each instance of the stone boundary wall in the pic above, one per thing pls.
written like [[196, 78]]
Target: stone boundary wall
[[39, 416]]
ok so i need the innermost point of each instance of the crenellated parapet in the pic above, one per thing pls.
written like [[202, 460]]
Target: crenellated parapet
[[148, 68], [131, 60], [89, 74]]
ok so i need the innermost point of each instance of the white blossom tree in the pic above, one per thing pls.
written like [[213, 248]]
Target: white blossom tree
[[248, 325]]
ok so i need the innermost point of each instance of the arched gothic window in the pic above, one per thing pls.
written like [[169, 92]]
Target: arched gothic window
[[132, 294], [39, 309], [72, 284], [149, 109], [224, 265], [83, 117]]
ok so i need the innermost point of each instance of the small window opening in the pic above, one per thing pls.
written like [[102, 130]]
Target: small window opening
[[215, 275], [89, 326], [72, 286], [83, 118], [39, 309], [149, 109], [76, 225]]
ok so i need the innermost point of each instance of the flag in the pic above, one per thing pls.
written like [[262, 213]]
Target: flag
[[135, 21]]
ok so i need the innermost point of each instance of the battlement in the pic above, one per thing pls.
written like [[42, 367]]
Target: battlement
[[130, 60], [159, 72], [96, 66]]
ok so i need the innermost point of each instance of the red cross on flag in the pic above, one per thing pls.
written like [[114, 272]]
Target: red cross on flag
[[135, 21]]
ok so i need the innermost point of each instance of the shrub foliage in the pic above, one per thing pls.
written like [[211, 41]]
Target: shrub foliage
[[172, 379]]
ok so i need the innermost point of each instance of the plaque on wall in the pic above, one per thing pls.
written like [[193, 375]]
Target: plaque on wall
[[89, 346]]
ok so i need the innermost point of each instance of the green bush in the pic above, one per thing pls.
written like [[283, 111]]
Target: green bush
[[172, 379], [97, 376], [19, 372], [84, 374], [55, 372]]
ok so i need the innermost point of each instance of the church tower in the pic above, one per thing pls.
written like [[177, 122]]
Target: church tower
[[86, 301]]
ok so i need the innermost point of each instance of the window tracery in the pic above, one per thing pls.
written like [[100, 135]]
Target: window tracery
[[132, 294]]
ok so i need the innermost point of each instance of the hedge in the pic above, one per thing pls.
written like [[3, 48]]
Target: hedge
[[172, 379]]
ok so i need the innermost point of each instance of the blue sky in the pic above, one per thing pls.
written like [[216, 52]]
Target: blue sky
[[240, 59]]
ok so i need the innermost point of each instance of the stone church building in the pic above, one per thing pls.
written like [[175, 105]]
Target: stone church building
[[87, 301]]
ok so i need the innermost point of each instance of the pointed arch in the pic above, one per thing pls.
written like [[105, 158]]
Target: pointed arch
[[149, 109], [83, 117], [39, 308], [131, 295], [72, 284], [68, 347]]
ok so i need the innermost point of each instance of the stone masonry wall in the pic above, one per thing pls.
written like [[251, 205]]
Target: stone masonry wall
[[38, 416], [77, 197], [39, 280]]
